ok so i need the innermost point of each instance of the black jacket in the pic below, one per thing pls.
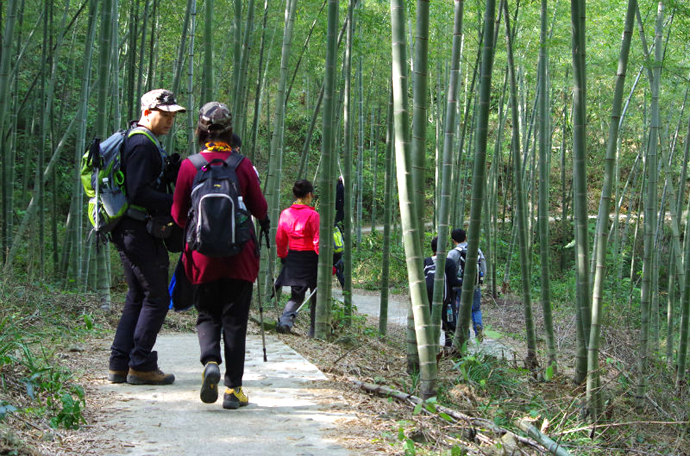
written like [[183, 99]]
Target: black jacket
[[143, 164]]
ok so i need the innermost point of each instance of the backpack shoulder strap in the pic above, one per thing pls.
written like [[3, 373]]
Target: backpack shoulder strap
[[139, 130], [197, 160], [234, 159]]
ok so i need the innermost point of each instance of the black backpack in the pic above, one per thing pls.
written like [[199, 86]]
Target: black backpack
[[461, 260], [218, 223], [430, 275]]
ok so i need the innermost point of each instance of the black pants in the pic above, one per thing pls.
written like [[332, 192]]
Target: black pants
[[145, 263], [223, 307], [339, 266]]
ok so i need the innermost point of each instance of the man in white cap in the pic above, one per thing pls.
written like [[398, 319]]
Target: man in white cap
[[144, 256]]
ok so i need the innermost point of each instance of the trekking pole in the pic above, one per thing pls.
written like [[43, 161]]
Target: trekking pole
[[95, 159], [261, 323], [261, 307], [305, 300]]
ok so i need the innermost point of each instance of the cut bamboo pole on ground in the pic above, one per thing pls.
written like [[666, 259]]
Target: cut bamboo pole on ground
[[539, 438]]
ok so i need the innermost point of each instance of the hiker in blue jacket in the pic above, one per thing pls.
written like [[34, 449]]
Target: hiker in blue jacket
[[144, 257]]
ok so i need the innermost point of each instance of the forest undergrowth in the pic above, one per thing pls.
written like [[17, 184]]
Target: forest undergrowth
[[502, 391], [46, 336]]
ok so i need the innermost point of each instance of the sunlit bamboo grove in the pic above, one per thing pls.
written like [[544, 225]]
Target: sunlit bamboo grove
[[561, 147]]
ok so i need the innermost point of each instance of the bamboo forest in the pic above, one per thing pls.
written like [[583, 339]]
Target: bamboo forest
[[556, 133]]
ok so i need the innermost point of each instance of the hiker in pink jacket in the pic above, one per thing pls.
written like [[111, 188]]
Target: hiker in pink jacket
[[297, 244]]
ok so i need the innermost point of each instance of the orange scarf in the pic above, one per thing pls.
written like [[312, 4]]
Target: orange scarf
[[219, 146]]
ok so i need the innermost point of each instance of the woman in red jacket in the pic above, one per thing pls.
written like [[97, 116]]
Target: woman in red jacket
[[224, 284], [297, 244]]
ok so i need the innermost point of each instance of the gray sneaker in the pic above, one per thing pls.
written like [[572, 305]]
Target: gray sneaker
[[282, 329]]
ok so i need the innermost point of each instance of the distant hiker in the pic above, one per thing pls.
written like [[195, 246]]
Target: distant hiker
[[339, 201], [236, 145], [338, 265], [236, 142], [224, 283], [338, 249], [451, 282], [297, 244], [459, 255], [144, 256]]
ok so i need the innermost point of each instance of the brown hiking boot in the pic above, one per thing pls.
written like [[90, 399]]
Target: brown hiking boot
[[156, 377], [117, 376]]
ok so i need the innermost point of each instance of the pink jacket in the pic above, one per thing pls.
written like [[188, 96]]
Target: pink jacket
[[298, 229]]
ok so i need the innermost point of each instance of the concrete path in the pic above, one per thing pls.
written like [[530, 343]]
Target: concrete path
[[370, 304], [287, 412]]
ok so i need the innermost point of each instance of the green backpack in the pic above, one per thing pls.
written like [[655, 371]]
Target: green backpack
[[103, 180], [338, 241]]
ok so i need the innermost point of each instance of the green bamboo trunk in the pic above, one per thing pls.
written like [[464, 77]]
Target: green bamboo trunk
[[7, 171], [479, 175], [207, 73], [544, 171], [258, 93], [374, 148], [412, 239], [446, 168], [521, 215], [580, 187], [275, 168], [685, 297], [242, 85], [326, 186], [387, 221], [347, 157], [179, 63], [681, 381], [419, 110], [650, 219], [593, 382], [102, 283], [360, 151], [237, 49], [142, 50], [192, 115]]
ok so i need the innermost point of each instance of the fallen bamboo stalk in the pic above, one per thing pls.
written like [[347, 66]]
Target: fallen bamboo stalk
[[536, 434], [474, 421]]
